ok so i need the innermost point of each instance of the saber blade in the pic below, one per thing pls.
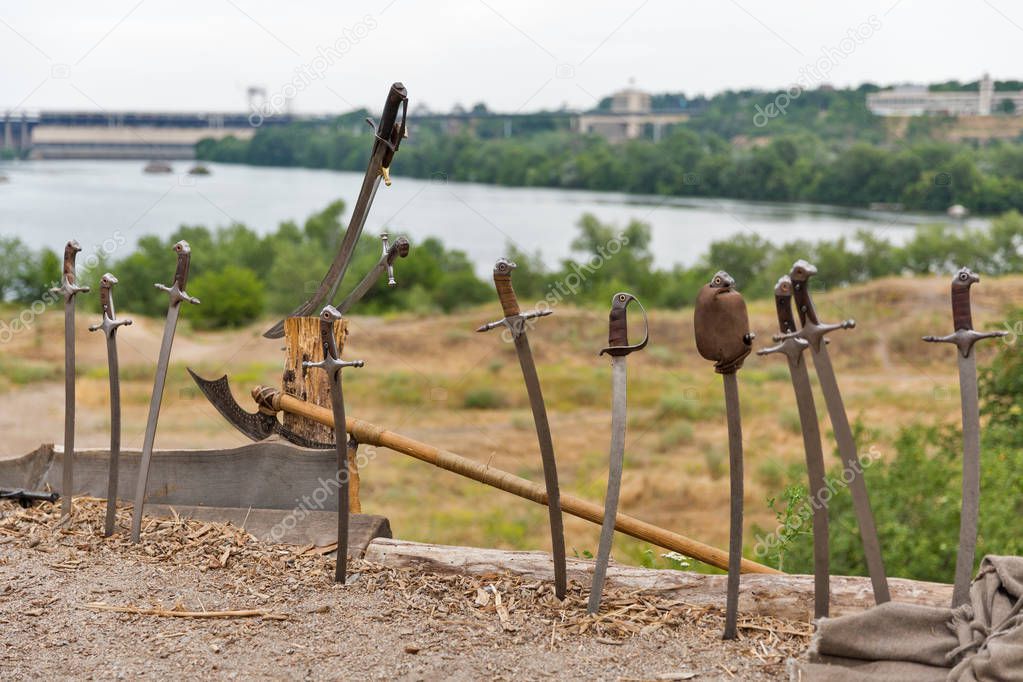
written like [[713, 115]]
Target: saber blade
[[614, 478], [550, 468], [970, 514], [731, 385], [115, 434], [154, 416], [68, 477]]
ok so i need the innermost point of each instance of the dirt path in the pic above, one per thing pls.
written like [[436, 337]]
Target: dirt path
[[386, 624]]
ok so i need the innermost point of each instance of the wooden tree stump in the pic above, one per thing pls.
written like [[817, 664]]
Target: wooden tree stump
[[302, 344]]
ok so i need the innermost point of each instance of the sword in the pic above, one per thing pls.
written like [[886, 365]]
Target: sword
[[792, 348], [176, 293], [399, 249], [69, 289], [109, 326], [388, 136], [333, 365], [618, 348], [964, 337], [515, 320], [813, 332], [721, 327]]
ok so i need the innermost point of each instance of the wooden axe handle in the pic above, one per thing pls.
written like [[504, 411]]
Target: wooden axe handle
[[370, 434]]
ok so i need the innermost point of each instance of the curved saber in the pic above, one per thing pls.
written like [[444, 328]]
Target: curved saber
[[515, 322], [69, 289], [792, 349], [618, 348], [964, 337], [177, 295], [109, 326], [389, 134]]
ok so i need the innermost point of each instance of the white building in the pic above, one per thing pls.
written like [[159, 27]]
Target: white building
[[917, 100], [631, 115]]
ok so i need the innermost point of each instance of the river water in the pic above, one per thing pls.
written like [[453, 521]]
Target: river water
[[45, 203]]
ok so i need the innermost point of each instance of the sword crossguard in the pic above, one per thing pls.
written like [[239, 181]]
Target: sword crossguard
[[964, 339], [791, 347], [515, 324], [333, 365], [814, 332], [177, 295], [69, 290]]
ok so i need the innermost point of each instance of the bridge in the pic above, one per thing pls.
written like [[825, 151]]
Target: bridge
[[121, 134]]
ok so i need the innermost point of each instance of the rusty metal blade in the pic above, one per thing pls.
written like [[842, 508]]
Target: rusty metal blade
[[970, 511], [734, 418]]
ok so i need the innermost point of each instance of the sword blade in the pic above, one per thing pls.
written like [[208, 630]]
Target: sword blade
[[970, 512], [332, 280], [68, 473], [734, 418], [550, 468], [154, 416], [115, 433], [817, 482], [851, 463], [614, 478], [337, 402], [364, 286]]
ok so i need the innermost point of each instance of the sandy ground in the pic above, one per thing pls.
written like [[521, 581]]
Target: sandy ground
[[55, 584]]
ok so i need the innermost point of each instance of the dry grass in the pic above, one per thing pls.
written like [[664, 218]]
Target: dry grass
[[433, 379]]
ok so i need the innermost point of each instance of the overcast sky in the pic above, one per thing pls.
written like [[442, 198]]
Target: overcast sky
[[513, 55]]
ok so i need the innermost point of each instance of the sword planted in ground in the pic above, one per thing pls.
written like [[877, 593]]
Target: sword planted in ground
[[813, 332], [109, 326], [618, 348], [515, 321], [792, 348], [333, 365], [387, 139], [177, 294], [69, 289], [964, 337], [721, 326]]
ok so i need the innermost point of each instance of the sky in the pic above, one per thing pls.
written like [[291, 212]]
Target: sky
[[522, 55]]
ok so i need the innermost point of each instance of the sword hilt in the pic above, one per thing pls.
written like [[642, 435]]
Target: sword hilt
[[800, 276], [618, 327], [505, 292], [964, 339], [109, 320], [68, 282], [399, 249], [331, 362], [177, 291]]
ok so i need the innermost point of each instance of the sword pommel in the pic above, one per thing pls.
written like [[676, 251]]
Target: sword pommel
[[177, 289], [389, 131], [618, 328], [505, 292], [783, 305]]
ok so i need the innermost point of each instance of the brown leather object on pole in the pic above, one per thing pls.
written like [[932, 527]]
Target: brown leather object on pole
[[370, 434]]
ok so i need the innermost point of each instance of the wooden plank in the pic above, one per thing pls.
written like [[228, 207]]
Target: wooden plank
[[779, 595], [293, 527]]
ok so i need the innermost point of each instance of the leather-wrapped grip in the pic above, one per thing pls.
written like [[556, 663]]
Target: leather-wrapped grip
[[786, 320], [803, 302], [70, 251], [962, 315], [327, 337], [184, 252], [618, 327], [506, 294], [396, 96], [106, 300]]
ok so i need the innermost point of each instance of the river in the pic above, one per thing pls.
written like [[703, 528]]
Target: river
[[45, 203]]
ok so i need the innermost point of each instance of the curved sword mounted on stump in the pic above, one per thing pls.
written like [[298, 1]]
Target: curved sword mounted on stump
[[515, 320], [964, 337], [721, 327], [618, 348], [69, 289], [109, 326]]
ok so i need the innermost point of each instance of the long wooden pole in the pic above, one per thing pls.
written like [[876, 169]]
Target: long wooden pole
[[370, 434]]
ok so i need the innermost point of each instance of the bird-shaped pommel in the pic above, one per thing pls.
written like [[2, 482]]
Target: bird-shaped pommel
[[68, 281], [177, 290], [109, 323], [721, 324], [964, 335], [792, 345], [618, 327]]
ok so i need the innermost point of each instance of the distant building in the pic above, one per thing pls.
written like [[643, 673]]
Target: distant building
[[917, 100], [631, 115]]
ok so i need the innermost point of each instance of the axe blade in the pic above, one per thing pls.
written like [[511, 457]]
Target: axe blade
[[258, 426]]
